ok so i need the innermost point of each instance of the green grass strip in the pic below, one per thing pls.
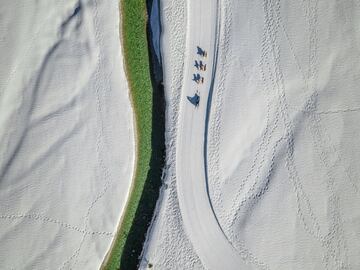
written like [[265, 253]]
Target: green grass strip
[[130, 237]]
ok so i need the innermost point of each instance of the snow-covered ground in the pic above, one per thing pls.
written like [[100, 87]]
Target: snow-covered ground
[[280, 146], [67, 138]]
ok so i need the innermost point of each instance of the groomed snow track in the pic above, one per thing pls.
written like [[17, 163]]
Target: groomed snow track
[[200, 222]]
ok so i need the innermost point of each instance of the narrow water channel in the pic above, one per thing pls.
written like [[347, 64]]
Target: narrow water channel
[[144, 213]]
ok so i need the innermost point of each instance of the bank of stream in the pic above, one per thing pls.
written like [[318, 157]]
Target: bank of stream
[[145, 210]]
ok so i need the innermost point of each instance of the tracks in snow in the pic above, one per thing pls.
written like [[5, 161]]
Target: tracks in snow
[[201, 225]]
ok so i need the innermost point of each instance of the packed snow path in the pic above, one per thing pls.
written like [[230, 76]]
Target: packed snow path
[[201, 225]]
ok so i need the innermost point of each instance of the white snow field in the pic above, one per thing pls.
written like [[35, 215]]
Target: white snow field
[[264, 173], [67, 137]]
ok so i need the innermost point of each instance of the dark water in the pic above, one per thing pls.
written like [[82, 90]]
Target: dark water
[[155, 28], [145, 210], [154, 32]]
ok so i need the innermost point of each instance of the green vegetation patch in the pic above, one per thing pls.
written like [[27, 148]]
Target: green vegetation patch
[[150, 139]]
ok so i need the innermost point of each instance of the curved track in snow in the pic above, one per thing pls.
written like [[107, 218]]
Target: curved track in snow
[[200, 222]]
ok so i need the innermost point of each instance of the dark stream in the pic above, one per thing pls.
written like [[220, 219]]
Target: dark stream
[[136, 237]]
